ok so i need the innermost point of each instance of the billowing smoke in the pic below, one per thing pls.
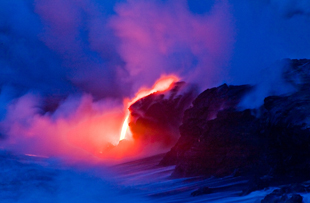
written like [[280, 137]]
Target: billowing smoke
[[67, 66], [267, 32], [78, 128], [165, 37], [264, 36]]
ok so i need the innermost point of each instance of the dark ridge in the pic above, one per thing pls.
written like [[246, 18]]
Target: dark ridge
[[156, 118], [269, 148]]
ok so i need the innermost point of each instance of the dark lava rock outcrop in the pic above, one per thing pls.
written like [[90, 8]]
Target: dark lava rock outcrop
[[211, 135], [297, 73], [156, 118], [219, 139], [286, 194]]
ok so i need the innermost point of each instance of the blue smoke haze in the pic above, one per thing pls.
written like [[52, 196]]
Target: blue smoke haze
[[65, 49], [266, 31]]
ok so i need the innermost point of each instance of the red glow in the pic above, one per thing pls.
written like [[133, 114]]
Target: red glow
[[161, 84], [90, 129], [148, 37]]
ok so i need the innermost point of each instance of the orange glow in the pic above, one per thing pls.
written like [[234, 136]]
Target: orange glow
[[161, 84], [90, 131]]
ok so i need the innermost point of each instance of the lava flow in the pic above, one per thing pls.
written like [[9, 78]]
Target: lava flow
[[161, 84]]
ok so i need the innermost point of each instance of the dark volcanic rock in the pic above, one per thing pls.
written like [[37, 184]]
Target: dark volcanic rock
[[202, 191], [286, 127], [156, 118], [257, 183], [217, 139], [202, 149], [292, 110], [224, 147], [297, 73], [282, 196]]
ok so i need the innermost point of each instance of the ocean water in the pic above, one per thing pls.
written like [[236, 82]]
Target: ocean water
[[28, 179]]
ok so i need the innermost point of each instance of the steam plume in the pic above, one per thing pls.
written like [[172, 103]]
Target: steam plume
[[66, 66]]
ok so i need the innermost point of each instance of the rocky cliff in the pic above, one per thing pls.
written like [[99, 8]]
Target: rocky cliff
[[218, 139], [156, 118]]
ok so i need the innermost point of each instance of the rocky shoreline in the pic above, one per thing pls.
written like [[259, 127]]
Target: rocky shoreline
[[269, 145]]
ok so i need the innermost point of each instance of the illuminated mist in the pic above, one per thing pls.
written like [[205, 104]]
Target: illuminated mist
[[80, 62], [71, 69]]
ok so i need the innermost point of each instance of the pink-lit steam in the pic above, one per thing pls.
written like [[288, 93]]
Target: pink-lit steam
[[86, 130], [80, 129], [151, 38], [163, 38]]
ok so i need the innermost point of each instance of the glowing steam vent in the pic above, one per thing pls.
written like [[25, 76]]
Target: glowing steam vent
[[160, 85]]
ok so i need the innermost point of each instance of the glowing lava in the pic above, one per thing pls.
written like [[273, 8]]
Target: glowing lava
[[124, 128], [161, 84]]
